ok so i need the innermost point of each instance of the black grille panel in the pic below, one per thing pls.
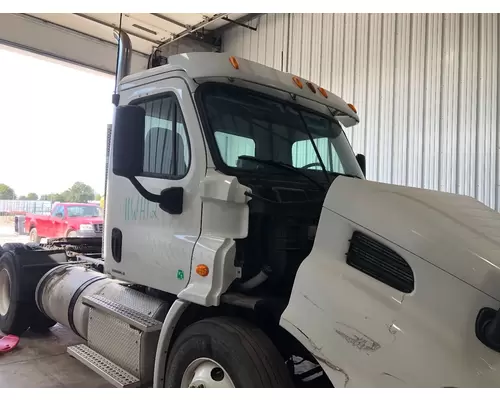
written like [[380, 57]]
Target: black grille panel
[[377, 260], [98, 228]]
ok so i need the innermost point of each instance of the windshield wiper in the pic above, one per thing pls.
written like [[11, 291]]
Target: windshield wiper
[[284, 166], [315, 147]]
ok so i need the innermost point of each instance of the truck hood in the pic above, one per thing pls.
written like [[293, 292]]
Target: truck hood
[[455, 233]]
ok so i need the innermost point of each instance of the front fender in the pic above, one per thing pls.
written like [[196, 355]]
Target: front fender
[[341, 315]]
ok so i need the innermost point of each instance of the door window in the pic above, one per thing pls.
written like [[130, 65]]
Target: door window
[[58, 212], [166, 150]]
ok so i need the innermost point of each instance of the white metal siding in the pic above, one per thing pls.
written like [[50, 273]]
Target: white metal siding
[[426, 87]]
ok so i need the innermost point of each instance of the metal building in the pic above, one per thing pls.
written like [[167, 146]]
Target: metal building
[[426, 88]]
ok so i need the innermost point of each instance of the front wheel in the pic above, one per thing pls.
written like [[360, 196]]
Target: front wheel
[[225, 353], [34, 238]]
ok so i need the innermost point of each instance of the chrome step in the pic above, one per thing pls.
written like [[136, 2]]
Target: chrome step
[[102, 366], [121, 312]]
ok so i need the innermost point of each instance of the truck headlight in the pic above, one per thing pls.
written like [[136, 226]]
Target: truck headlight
[[86, 227]]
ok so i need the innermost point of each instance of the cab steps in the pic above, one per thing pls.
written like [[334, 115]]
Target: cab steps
[[107, 369]]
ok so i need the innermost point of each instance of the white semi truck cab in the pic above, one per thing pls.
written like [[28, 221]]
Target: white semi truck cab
[[243, 247]]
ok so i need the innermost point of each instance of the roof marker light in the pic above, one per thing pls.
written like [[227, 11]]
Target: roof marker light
[[298, 82], [311, 87], [323, 92], [234, 62], [352, 108]]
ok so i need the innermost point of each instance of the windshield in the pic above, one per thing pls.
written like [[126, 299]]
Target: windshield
[[245, 123], [84, 211]]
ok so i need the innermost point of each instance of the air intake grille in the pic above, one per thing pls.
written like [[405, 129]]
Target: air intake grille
[[98, 228], [377, 260]]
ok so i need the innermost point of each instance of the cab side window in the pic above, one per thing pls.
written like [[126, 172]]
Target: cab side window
[[58, 212], [166, 150]]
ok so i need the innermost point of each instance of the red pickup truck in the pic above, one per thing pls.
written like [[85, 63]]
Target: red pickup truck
[[66, 220]]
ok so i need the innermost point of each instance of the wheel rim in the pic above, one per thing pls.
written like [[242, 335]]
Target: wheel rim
[[4, 292], [206, 373]]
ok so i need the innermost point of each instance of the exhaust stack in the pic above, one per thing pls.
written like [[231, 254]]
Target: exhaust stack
[[124, 55]]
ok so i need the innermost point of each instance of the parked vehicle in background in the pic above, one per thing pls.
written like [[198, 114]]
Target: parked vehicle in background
[[66, 220]]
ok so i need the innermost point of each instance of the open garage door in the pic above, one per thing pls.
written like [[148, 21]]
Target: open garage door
[[88, 40]]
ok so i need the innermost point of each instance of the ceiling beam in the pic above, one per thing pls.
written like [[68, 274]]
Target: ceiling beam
[[232, 21], [239, 21], [65, 28], [112, 26], [172, 21], [194, 28], [48, 39]]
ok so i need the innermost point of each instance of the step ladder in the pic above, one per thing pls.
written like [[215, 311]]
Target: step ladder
[[121, 343]]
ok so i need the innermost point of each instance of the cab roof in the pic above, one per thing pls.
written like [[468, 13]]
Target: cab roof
[[204, 66]]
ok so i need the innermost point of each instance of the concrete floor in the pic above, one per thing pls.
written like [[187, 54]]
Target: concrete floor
[[41, 361]]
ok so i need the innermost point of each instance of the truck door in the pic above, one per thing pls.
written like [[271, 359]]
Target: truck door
[[144, 244], [55, 223]]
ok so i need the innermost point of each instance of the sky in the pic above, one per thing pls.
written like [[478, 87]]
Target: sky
[[53, 121]]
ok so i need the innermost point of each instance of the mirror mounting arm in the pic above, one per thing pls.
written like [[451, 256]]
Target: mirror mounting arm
[[170, 200]]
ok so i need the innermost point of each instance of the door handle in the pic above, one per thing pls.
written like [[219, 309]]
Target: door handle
[[116, 244]]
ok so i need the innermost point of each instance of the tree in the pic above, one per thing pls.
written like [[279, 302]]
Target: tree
[[6, 192], [32, 196], [23, 198], [52, 197], [79, 193], [97, 197]]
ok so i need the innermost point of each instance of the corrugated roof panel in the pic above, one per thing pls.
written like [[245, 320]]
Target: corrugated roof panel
[[487, 110], [374, 71], [432, 101], [338, 53], [360, 82], [349, 61], [386, 105], [315, 63], [467, 128], [401, 100], [349, 57], [327, 53], [449, 100]]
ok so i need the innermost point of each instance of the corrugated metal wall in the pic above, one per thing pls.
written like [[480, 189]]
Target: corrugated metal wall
[[426, 87]]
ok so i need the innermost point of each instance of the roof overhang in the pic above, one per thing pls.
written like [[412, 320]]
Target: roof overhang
[[87, 39]]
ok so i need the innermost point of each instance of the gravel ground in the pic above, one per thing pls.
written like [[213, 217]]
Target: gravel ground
[[8, 235]]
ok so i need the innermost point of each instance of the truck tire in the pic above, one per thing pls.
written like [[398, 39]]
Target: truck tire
[[34, 236], [18, 310], [13, 246], [225, 352], [33, 246], [41, 323], [15, 315]]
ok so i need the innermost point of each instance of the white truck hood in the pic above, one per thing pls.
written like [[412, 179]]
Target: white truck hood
[[457, 234]]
